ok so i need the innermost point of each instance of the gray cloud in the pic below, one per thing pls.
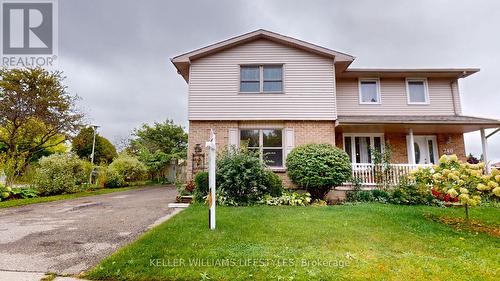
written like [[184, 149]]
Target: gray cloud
[[116, 53]]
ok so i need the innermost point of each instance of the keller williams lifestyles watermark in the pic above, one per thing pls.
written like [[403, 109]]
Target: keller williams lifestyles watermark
[[29, 33], [254, 262]]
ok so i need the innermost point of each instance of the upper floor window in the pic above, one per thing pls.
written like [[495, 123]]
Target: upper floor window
[[417, 91], [267, 142], [369, 91], [261, 79]]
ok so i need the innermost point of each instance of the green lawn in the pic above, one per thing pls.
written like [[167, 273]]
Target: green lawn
[[365, 241], [27, 201]]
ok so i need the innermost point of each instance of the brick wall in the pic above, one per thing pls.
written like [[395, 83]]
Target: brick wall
[[398, 145], [452, 144], [304, 131], [310, 132], [447, 144], [199, 133]]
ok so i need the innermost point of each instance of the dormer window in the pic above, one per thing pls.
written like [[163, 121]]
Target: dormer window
[[261, 79], [369, 91]]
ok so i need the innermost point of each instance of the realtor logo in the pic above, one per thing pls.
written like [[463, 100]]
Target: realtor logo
[[29, 33]]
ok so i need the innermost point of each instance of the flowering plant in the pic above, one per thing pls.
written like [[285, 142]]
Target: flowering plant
[[458, 181]]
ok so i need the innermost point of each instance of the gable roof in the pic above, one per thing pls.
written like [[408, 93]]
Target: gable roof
[[182, 62], [342, 60]]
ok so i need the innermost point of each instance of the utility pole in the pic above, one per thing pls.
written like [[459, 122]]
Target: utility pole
[[92, 155]]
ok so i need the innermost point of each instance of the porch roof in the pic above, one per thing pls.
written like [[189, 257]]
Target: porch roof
[[408, 72], [419, 124]]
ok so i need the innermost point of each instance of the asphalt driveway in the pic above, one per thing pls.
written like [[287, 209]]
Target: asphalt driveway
[[70, 236]]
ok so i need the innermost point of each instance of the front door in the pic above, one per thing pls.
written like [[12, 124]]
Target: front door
[[425, 149]]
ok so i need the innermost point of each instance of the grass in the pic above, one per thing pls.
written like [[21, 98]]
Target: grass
[[28, 201], [354, 242]]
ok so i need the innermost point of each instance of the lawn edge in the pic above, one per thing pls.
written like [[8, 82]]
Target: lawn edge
[[61, 197]]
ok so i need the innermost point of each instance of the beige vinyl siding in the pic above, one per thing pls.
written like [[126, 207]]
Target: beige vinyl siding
[[394, 99], [308, 83]]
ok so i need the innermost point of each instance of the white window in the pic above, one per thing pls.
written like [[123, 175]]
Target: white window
[[417, 91], [369, 91], [359, 147], [261, 78], [267, 142]]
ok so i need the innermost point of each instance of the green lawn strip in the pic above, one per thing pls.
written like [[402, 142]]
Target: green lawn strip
[[373, 241], [27, 201]]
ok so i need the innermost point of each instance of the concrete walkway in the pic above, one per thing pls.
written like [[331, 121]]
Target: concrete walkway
[[70, 236]]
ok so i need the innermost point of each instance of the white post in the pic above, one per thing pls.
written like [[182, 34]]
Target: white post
[[411, 146], [484, 145], [211, 179]]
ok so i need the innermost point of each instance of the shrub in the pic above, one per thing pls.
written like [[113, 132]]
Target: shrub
[[23, 193], [184, 189], [60, 173], [408, 193], [380, 195], [289, 198], [129, 168], [190, 186], [273, 183], [201, 183], [318, 168], [375, 195], [241, 177], [5, 192], [464, 181], [111, 179]]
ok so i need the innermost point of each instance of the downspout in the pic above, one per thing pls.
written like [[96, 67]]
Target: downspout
[[453, 97]]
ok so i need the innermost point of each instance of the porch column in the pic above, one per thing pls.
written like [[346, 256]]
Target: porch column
[[484, 144], [411, 146]]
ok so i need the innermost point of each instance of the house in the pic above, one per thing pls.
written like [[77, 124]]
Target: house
[[274, 92]]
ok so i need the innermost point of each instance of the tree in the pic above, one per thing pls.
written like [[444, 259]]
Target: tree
[[157, 145], [104, 152], [36, 113]]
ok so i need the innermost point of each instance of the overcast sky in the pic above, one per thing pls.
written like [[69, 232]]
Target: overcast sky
[[116, 54]]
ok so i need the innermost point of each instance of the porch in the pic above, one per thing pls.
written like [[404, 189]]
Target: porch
[[415, 141], [372, 175]]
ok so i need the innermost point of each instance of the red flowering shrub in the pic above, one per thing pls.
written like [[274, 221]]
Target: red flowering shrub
[[443, 197]]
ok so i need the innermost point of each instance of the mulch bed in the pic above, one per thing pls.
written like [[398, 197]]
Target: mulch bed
[[460, 224]]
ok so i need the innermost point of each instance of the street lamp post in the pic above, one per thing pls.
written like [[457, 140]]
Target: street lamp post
[[92, 155]]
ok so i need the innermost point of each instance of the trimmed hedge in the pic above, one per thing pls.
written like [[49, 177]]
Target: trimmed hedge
[[318, 167]]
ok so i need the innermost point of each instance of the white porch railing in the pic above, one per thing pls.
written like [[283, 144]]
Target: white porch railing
[[373, 174]]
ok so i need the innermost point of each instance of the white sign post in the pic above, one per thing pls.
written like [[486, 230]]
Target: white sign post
[[211, 179]]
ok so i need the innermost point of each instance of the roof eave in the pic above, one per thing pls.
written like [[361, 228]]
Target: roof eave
[[401, 72]]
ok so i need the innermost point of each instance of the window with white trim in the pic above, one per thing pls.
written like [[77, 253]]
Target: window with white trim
[[417, 91], [267, 142], [359, 147], [261, 78], [369, 91]]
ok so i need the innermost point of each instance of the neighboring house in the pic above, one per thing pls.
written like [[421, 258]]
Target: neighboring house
[[273, 93]]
